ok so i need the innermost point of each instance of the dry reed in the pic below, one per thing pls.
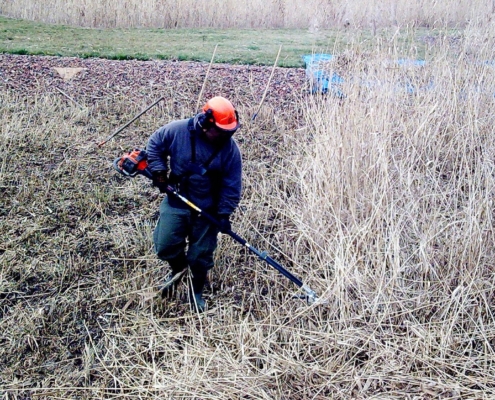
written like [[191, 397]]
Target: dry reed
[[382, 201], [309, 14]]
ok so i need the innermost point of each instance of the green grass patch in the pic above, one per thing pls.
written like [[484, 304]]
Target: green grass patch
[[236, 46], [21, 52]]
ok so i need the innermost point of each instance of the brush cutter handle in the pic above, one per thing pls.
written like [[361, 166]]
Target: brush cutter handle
[[130, 122]]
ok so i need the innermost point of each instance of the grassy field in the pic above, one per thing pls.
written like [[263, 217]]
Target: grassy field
[[381, 200], [237, 46]]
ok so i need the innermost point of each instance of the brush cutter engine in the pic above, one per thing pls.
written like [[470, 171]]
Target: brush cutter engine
[[133, 163]]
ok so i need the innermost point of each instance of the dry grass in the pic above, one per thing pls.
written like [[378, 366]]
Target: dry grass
[[309, 14], [382, 202]]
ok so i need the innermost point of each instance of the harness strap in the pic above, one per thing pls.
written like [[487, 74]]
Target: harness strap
[[192, 135]]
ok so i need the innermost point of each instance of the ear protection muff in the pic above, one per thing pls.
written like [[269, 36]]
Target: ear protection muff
[[206, 119], [237, 117]]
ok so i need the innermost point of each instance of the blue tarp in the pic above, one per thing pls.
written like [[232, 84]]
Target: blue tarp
[[323, 80], [320, 79]]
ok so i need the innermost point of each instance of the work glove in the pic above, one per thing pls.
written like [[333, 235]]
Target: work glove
[[160, 180], [224, 223]]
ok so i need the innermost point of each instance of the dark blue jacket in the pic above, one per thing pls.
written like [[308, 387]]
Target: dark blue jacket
[[219, 189]]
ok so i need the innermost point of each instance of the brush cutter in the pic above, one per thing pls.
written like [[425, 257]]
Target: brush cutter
[[135, 162]]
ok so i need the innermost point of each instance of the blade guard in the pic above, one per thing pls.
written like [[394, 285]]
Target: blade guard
[[310, 296]]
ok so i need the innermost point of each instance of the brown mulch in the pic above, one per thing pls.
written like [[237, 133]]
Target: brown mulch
[[148, 80]]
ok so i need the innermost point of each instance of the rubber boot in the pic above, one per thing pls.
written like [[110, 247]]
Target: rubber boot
[[178, 266], [198, 283], [199, 302], [198, 280]]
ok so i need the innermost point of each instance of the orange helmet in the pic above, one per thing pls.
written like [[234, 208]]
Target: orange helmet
[[223, 114]]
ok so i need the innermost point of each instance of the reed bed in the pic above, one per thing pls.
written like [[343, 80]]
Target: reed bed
[[310, 14], [382, 201]]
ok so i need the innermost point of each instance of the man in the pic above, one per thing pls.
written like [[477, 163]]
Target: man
[[199, 157]]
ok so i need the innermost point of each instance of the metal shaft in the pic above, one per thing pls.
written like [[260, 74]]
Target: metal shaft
[[310, 294]]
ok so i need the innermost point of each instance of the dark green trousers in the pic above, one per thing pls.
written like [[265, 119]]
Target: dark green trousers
[[183, 238]]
